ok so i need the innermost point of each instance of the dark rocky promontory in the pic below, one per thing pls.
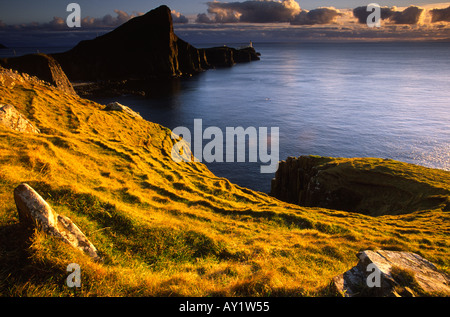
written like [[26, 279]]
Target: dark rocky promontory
[[2, 46], [143, 48], [42, 66], [369, 186]]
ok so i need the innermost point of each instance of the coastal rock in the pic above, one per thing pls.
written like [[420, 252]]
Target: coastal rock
[[385, 273], [143, 48], [367, 185], [42, 66], [115, 106], [2, 46], [13, 119], [35, 212]]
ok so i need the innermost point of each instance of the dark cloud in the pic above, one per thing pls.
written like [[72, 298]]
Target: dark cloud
[[58, 23], [203, 18], [177, 17], [440, 15], [410, 15], [316, 16], [251, 11], [361, 13]]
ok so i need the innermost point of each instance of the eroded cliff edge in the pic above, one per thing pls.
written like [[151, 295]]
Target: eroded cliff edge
[[365, 185]]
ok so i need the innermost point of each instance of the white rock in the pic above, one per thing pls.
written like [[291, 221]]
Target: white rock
[[13, 119], [34, 211], [115, 106]]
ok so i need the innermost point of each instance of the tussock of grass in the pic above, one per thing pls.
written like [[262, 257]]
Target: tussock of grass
[[168, 229]]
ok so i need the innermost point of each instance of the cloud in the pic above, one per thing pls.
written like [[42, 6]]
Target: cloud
[[440, 15], [410, 15], [251, 11], [316, 16], [177, 17], [361, 13], [58, 23]]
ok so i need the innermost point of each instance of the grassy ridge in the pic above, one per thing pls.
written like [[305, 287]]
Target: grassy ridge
[[168, 229]]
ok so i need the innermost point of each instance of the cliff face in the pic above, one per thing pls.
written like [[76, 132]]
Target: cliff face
[[42, 66], [145, 47], [369, 186]]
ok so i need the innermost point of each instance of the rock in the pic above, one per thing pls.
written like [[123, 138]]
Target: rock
[[115, 106], [143, 48], [35, 212], [2, 46], [13, 119], [401, 274], [42, 66], [365, 185]]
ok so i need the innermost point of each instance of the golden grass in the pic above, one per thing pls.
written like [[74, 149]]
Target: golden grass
[[168, 229]]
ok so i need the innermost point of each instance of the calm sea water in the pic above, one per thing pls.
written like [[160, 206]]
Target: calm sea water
[[388, 100]]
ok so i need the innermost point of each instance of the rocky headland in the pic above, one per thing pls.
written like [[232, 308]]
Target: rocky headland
[[42, 66], [369, 186], [137, 57], [143, 49]]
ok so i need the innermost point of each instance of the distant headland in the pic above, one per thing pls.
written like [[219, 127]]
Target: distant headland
[[143, 49]]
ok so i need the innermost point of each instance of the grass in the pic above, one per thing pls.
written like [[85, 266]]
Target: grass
[[168, 229]]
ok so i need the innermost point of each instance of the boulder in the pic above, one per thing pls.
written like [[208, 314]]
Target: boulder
[[35, 212], [13, 119], [115, 106], [385, 273]]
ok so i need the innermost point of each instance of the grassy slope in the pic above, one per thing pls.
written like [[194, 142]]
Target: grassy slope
[[165, 228]]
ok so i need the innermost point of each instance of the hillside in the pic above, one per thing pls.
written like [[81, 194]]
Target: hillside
[[168, 229]]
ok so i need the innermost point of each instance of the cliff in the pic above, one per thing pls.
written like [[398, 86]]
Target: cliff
[[143, 48], [42, 66], [366, 185]]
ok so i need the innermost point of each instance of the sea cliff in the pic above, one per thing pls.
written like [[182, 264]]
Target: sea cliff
[[370, 186]]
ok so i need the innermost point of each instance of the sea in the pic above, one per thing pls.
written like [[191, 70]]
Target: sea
[[340, 99]]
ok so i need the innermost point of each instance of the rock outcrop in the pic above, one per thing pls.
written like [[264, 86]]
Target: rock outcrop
[[369, 186], [115, 106], [35, 212], [228, 56], [13, 119], [2, 46], [42, 66], [143, 48], [392, 273]]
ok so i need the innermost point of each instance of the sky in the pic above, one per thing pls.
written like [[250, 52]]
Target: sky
[[43, 22], [26, 11]]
